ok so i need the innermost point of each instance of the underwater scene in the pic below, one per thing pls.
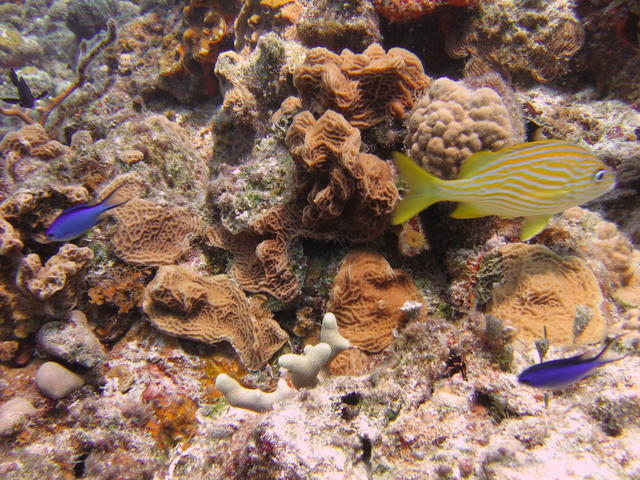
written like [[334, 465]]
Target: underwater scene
[[319, 239]]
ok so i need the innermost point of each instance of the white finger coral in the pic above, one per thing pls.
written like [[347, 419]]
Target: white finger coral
[[305, 371]]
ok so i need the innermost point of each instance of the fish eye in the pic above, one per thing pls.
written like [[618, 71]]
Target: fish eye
[[599, 175]]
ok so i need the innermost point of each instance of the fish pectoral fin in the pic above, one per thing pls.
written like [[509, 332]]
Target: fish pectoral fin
[[533, 225], [467, 210]]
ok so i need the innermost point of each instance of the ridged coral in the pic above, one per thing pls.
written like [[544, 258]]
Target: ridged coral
[[367, 297], [57, 282], [366, 88], [540, 289], [452, 121], [262, 262], [10, 242], [348, 194], [212, 309], [151, 234], [520, 37]]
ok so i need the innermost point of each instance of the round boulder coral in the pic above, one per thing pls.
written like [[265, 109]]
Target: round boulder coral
[[452, 121]]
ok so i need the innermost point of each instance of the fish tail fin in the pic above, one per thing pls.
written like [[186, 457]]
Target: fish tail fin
[[424, 189], [606, 355], [112, 200]]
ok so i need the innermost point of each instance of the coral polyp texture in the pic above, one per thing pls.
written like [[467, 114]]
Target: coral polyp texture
[[151, 234], [366, 88], [259, 17], [367, 299], [520, 38], [452, 121], [348, 194], [211, 309], [540, 289]]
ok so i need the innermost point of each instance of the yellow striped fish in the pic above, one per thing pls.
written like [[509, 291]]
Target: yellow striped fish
[[532, 180]]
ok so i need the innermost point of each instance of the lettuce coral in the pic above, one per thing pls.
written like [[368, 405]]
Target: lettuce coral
[[180, 302], [366, 88]]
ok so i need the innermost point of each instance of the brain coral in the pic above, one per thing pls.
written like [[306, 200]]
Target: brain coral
[[152, 234], [367, 297], [452, 121], [541, 289], [530, 37], [348, 194], [366, 88], [183, 303]]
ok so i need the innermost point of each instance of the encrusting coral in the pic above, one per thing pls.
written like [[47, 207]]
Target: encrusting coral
[[348, 194], [452, 121], [367, 299], [56, 283], [540, 289], [531, 38], [305, 371], [152, 234], [212, 309], [366, 88]]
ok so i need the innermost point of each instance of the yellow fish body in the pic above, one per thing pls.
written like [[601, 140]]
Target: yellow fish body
[[532, 180]]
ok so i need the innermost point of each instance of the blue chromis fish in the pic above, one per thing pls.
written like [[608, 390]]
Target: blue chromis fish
[[532, 180], [557, 374], [75, 221]]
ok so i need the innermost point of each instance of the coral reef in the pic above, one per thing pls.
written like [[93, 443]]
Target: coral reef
[[367, 299], [366, 88], [452, 121], [352, 25], [520, 38], [541, 289], [350, 194], [260, 17], [180, 302], [408, 10]]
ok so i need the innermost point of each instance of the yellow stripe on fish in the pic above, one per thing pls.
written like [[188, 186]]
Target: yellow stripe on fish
[[532, 180]]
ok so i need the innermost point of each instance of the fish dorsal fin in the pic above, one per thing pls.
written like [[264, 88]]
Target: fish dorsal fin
[[467, 210], [533, 225], [476, 162]]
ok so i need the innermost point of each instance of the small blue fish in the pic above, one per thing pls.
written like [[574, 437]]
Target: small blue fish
[[557, 374], [75, 221]]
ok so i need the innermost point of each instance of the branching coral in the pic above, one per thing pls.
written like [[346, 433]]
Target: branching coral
[[541, 289], [180, 302], [367, 299], [57, 282], [305, 371], [536, 38], [349, 194], [453, 121], [366, 88]]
